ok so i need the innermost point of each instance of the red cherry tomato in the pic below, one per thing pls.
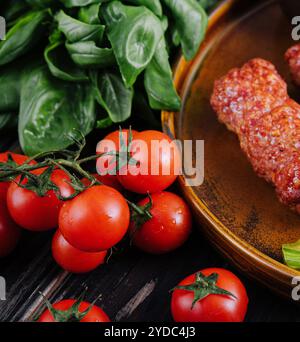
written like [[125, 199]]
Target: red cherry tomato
[[94, 315], [169, 228], [214, 307], [111, 143], [36, 213], [72, 259], [95, 220], [18, 159], [108, 180], [156, 168], [9, 231]]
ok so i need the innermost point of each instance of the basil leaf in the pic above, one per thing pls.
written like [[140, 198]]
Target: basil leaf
[[8, 120], [60, 64], [191, 22], [90, 14], [10, 84], [80, 3], [159, 82], [87, 54], [76, 30], [25, 34], [112, 95], [51, 110], [153, 5], [134, 33]]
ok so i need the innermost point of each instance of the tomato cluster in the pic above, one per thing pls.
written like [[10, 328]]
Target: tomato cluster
[[141, 165], [163, 221], [98, 218]]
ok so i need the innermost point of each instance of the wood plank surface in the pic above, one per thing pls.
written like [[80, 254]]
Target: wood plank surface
[[133, 286]]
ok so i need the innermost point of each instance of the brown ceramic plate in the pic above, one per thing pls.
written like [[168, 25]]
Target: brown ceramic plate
[[238, 211]]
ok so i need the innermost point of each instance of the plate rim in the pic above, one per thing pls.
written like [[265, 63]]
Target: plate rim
[[265, 265]]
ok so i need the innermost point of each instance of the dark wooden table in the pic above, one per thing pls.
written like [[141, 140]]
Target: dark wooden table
[[134, 286]]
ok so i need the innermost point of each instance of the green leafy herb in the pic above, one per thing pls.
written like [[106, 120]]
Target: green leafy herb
[[87, 54], [10, 87], [98, 58], [90, 14], [113, 96], [60, 64], [159, 82], [52, 111], [134, 33], [22, 36], [190, 28], [76, 30], [153, 5]]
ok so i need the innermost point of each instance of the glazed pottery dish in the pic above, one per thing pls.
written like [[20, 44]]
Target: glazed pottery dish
[[238, 211]]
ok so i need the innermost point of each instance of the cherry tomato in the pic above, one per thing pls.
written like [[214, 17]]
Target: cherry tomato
[[94, 315], [169, 228], [155, 168], [18, 159], [95, 220], [214, 307], [36, 213], [111, 143], [108, 180], [9, 231], [72, 259]]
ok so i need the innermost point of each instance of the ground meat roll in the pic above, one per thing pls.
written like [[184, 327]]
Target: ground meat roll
[[255, 89], [267, 123]]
